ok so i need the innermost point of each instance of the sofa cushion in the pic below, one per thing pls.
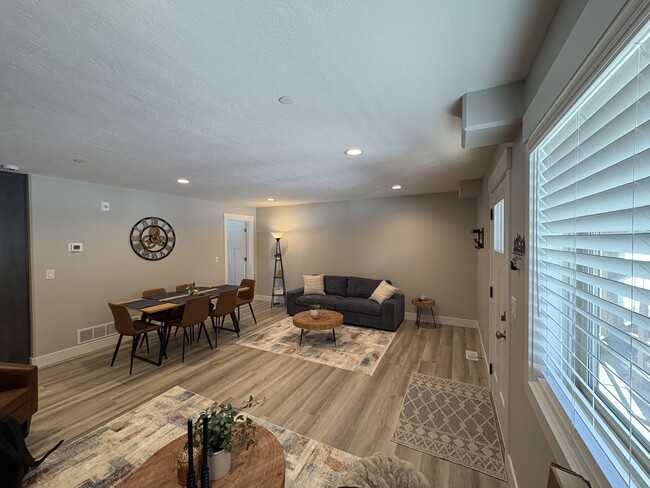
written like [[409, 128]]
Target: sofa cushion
[[13, 399], [336, 285], [358, 305], [383, 292], [314, 284], [327, 301], [362, 287]]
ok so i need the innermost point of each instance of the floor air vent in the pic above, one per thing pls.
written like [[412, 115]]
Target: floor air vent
[[471, 355], [94, 333]]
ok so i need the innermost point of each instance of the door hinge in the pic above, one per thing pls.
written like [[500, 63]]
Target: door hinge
[[491, 292], [245, 258], [491, 214], [490, 368], [245, 229]]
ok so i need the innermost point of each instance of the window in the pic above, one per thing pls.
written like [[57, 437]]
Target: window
[[499, 231], [590, 299]]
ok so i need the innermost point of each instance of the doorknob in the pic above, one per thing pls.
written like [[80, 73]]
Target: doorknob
[[501, 335], [503, 317]]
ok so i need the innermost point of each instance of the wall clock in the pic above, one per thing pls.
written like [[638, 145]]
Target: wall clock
[[152, 238]]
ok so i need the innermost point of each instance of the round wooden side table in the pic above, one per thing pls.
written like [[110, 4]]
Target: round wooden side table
[[422, 304], [327, 320]]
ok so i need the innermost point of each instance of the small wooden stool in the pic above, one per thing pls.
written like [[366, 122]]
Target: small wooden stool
[[420, 304]]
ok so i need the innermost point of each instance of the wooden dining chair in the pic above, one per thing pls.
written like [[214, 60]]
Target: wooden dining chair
[[244, 297], [125, 326], [196, 312], [226, 305]]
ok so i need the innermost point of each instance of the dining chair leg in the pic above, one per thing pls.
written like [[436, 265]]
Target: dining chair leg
[[237, 313], [185, 335], [117, 347], [134, 349], [202, 327], [146, 338], [250, 305]]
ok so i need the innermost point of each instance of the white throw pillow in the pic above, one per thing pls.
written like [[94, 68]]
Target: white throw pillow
[[314, 284], [383, 292]]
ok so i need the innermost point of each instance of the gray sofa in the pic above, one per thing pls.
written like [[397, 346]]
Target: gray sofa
[[349, 296]]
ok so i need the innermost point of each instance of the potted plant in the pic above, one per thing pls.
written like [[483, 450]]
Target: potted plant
[[314, 310], [225, 425], [192, 289]]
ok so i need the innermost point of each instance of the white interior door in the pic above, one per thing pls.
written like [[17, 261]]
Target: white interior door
[[499, 313], [237, 252]]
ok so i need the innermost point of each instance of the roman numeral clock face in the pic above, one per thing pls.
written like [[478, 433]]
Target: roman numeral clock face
[[152, 238]]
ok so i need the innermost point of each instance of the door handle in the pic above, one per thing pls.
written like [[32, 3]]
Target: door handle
[[503, 317], [501, 335]]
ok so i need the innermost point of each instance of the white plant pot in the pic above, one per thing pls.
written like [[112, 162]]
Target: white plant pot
[[219, 464], [314, 313]]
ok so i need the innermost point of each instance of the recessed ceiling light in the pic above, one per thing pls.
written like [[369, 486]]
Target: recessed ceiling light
[[271, 199], [184, 181], [396, 187], [353, 152], [285, 100], [80, 161]]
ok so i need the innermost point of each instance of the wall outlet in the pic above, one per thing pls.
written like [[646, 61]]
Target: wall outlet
[[49, 274], [106, 207], [75, 247], [216, 259]]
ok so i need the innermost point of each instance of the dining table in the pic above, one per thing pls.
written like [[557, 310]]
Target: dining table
[[177, 299]]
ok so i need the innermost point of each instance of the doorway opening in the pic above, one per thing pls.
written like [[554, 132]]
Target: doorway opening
[[238, 236]]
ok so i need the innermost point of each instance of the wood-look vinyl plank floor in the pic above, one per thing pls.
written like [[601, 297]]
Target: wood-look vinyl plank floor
[[350, 411]]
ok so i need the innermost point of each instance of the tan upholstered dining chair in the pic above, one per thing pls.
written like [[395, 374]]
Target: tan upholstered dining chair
[[244, 297], [133, 328], [196, 312]]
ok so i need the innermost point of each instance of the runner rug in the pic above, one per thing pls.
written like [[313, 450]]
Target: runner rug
[[358, 349], [106, 457], [453, 421]]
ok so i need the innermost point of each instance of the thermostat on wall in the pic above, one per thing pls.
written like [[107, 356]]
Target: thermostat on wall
[[75, 247]]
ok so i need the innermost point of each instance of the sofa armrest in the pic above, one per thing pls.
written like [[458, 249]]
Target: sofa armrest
[[392, 310], [13, 376], [291, 299]]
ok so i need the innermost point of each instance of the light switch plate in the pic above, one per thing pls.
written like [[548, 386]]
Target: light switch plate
[[216, 259], [49, 274], [106, 207], [513, 307]]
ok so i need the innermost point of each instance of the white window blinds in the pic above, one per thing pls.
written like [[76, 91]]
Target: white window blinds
[[590, 182]]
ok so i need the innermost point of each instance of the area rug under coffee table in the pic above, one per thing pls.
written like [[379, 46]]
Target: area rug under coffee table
[[105, 457], [453, 421], [358, 349]]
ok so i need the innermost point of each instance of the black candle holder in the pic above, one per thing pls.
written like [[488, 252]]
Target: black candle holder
[[205, 468], [191, 479]]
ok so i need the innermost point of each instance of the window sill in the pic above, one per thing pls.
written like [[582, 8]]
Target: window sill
[[569, 450]]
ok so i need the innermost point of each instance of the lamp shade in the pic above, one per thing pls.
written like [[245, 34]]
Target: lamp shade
[[277, 235]]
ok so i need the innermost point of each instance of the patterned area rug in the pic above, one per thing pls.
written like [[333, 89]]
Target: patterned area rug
[[357, 349], [105, 457], [453, 421]]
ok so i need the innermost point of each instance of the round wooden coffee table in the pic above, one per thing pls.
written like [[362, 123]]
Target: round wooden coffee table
[[327, 320], [261, 466]]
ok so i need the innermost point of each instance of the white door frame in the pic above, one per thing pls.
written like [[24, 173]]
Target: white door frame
[[250, 243], [500, 174]]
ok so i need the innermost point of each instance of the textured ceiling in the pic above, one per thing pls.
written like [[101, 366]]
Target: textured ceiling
[[149, 91]]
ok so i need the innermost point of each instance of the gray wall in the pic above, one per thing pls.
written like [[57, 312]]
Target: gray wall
[[422, 243], [64, 211]]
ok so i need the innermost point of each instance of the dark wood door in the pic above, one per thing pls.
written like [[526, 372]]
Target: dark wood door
[[15, 321]]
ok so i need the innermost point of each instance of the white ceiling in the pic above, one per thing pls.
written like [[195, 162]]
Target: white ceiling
[[149, 91]]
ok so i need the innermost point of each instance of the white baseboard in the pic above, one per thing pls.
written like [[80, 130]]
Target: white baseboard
[[441, 319], [75, 351], [483, 352], [511, 473]]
